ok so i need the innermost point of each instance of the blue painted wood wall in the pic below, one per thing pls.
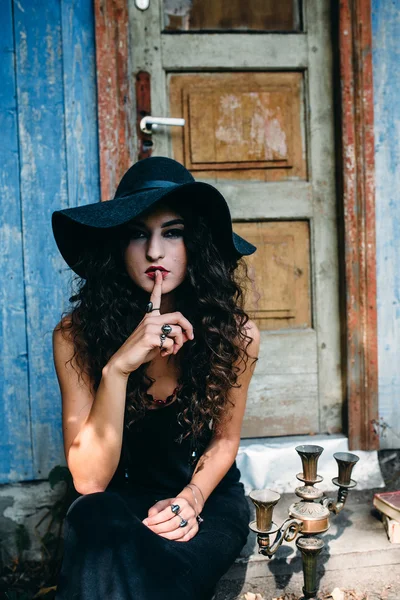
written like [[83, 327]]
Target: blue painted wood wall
[[48, 160], [386, 65]]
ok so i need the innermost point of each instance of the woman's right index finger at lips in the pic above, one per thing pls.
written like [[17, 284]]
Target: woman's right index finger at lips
[[155, 296]]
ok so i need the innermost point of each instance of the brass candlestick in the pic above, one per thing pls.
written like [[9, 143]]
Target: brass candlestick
[[309, 516]]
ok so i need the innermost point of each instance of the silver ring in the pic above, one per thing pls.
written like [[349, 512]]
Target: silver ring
[[183, 522], [166, 329], [162, 339], [149, 308], [175, 509]]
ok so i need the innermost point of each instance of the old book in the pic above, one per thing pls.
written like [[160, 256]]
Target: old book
[[392, 529], [388, 503]]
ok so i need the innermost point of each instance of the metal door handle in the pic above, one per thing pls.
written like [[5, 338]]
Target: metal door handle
[[155, 121]]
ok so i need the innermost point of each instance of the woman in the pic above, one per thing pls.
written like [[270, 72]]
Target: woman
[[154, 363]]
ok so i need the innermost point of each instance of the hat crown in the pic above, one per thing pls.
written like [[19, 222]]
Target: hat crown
[[154, 168]]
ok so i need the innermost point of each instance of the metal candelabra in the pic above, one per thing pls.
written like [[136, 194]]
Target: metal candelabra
[[307, 517]]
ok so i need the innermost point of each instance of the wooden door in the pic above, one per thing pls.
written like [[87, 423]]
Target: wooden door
[[254, 85]]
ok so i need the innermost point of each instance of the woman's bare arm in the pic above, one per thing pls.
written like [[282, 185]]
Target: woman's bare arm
[[92, 421]]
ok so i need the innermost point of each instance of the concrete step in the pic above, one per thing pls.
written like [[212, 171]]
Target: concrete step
[[357, 555]]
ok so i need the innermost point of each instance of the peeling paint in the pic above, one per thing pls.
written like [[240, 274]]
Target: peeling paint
[[275, 140], [359, 221], [265, 137], [386, 57], [50, 161], [114, 93]]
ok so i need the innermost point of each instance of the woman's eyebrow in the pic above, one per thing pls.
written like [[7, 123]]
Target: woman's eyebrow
[[167, 224], [173, 222]]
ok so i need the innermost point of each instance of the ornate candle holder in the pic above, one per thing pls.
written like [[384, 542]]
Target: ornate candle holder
[[309, 516]]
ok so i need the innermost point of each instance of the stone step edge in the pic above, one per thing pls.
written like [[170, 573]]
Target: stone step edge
[[258, 565]]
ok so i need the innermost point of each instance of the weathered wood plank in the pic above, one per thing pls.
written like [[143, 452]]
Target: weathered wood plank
[[79, 69], [15, 431], [386, 72], [288, 199], [115, 97], [323, 225], [43, 189], [220, 51], [290, 351], [283, 393], [283, 405], [359, 221]]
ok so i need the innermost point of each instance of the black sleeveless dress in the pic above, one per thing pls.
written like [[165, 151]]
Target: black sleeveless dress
[[109, 554]]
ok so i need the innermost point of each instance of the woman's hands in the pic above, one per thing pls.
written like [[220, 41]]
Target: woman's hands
[[165, 523], [143, 345]]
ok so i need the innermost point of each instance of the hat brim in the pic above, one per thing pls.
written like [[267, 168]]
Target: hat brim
[[77, 229]]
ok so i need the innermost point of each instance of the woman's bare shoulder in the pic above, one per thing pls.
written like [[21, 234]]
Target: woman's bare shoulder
[[252, 330], [64, 327], [65, 357], [249, 338]]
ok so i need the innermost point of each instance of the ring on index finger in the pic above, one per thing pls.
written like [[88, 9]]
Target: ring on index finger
[[166, 329], [149, 308]]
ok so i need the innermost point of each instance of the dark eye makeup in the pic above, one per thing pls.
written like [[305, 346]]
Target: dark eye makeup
[[171, 233]]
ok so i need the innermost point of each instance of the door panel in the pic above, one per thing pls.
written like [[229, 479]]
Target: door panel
[[259, 126], [243, 125], [279, 296]]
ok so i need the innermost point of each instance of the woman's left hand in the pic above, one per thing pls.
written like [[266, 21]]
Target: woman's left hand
[[165, 523]]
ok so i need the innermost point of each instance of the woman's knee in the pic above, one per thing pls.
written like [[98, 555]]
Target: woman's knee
[[88, 506]]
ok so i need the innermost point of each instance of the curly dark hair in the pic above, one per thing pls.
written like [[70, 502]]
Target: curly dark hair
[[108, 306]]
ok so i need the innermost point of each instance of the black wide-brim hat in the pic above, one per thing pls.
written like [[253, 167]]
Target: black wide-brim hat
[[78, 230]]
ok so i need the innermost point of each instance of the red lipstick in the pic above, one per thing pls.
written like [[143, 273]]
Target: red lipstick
[[157, 268], [151, 272]]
